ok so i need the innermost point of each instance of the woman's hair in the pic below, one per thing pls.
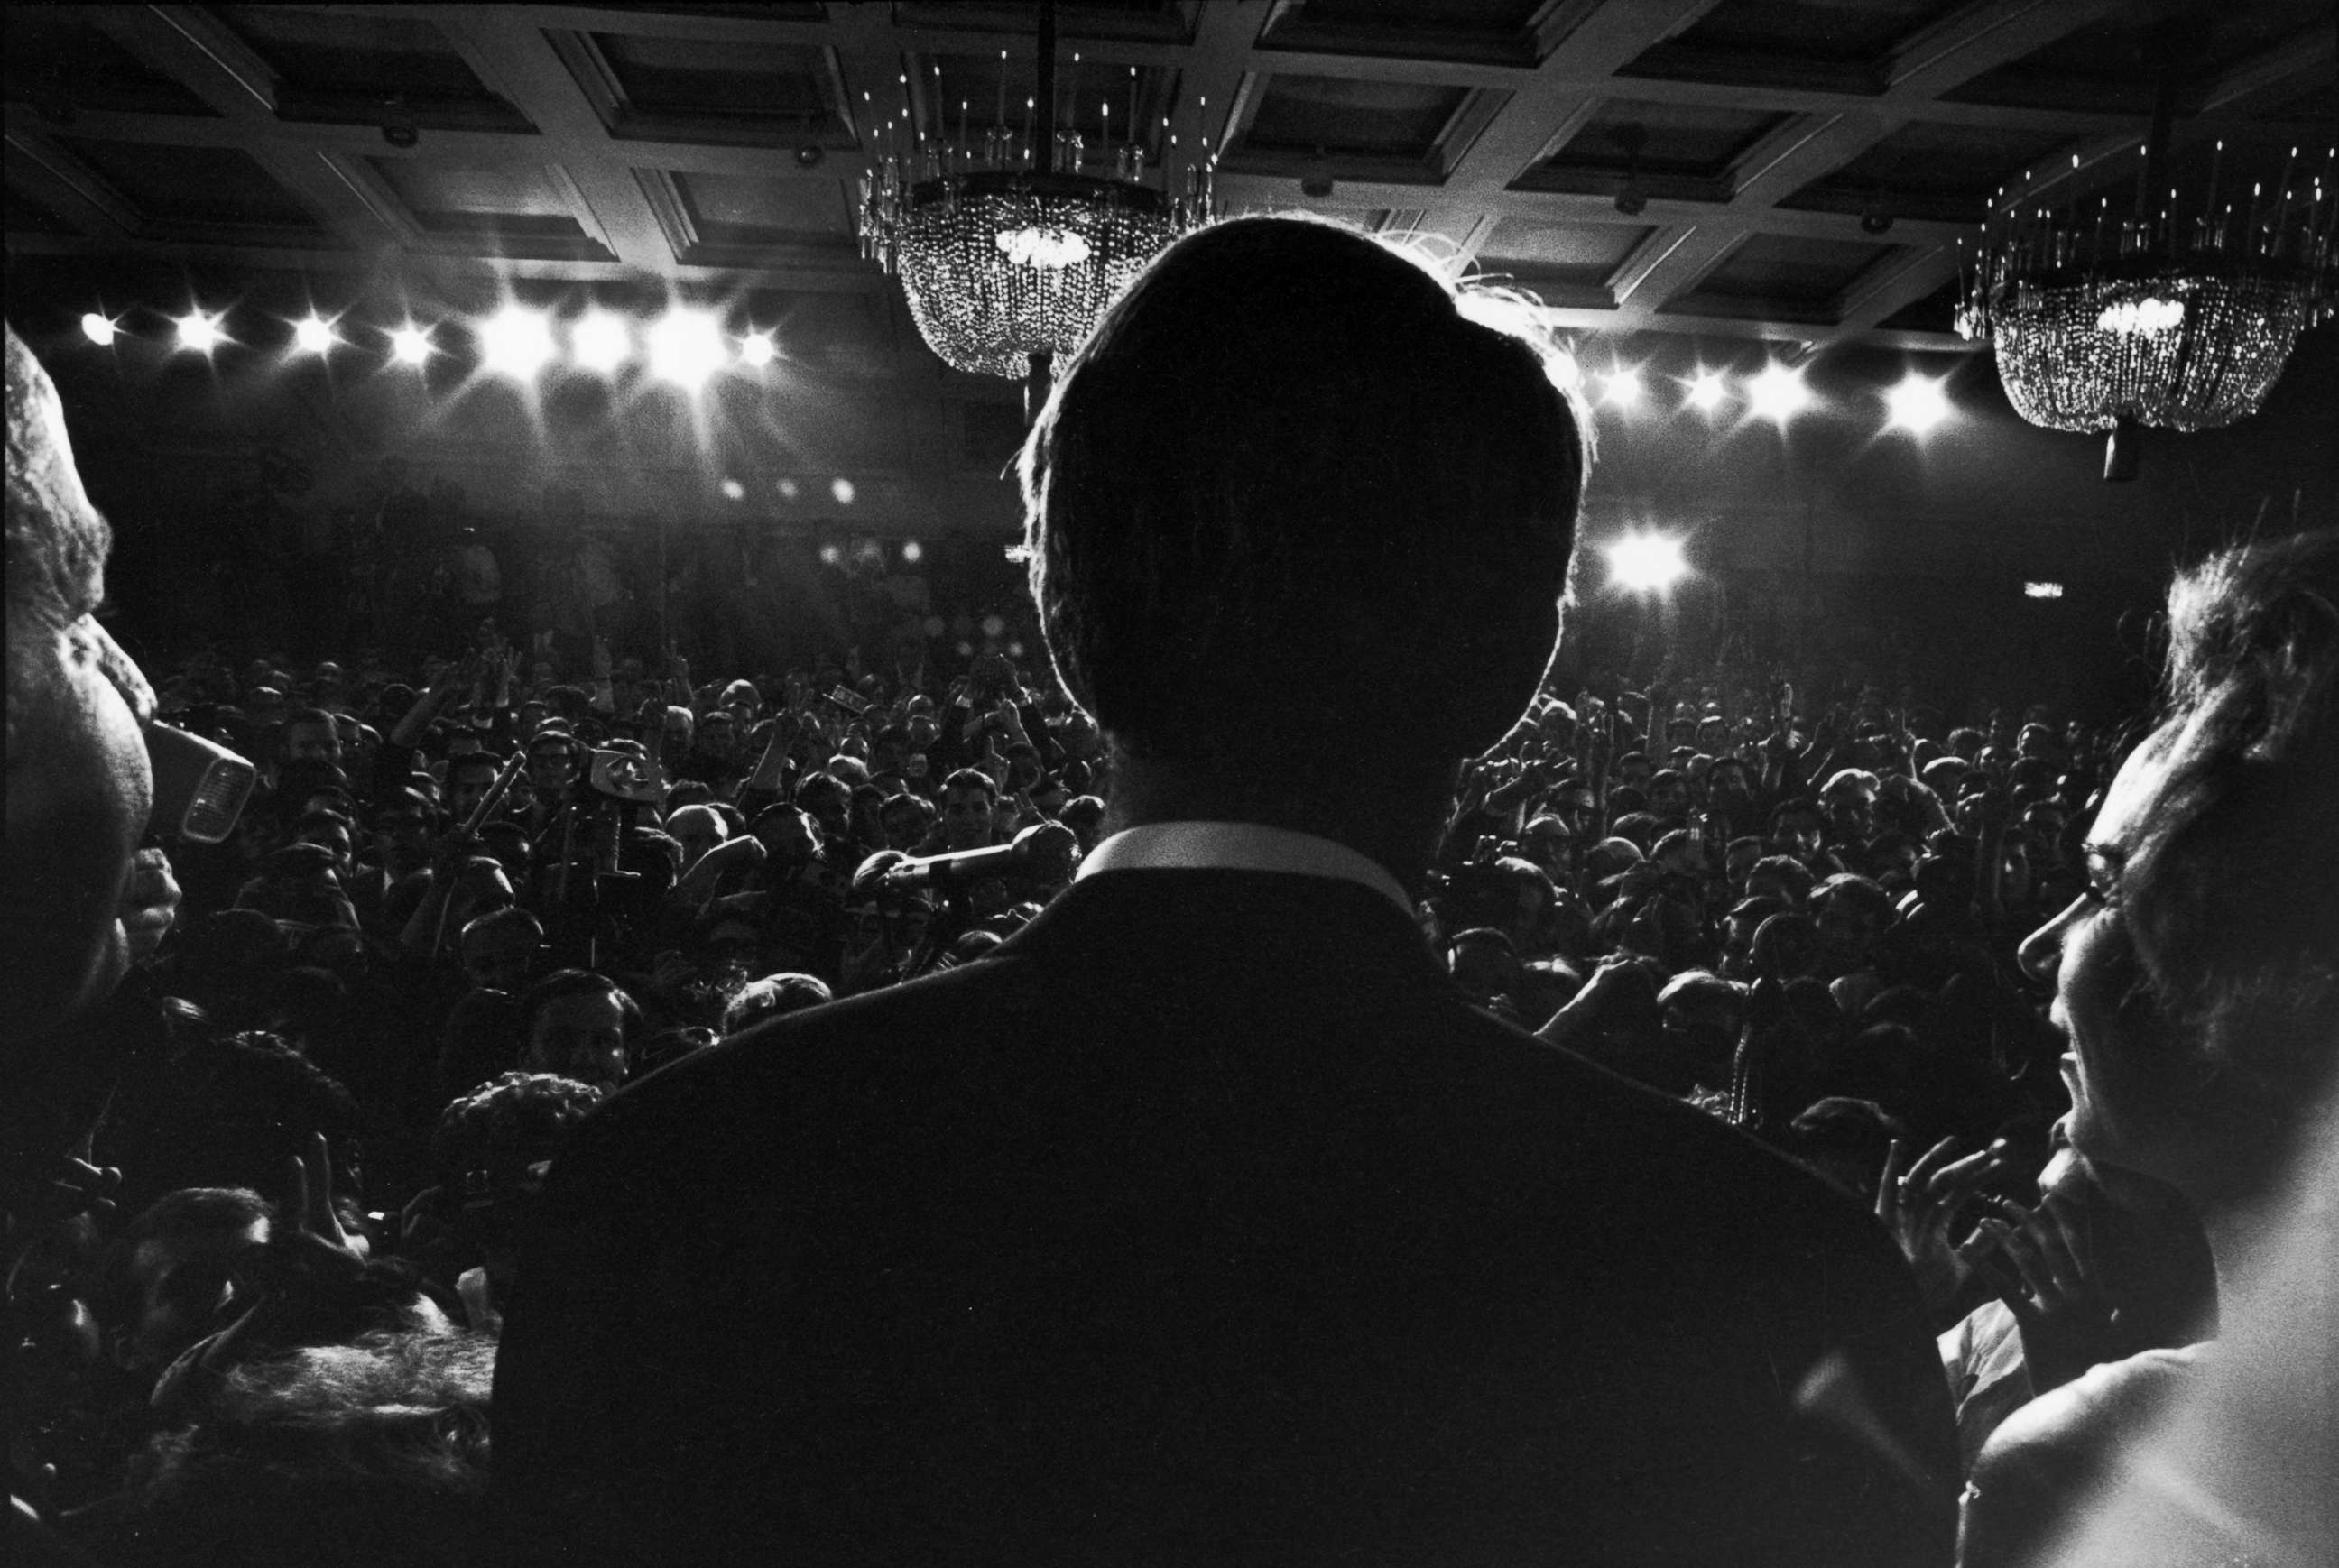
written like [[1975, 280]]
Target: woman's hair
[[2232, 896], [565, 982]]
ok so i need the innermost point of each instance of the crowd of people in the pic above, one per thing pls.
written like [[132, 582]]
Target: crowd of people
[[272, 1189]]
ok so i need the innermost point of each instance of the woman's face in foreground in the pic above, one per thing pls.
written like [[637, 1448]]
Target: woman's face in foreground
[[2124, 1097]]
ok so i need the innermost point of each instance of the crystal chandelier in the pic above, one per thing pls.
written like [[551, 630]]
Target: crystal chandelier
[[2181, 314], [1009, 252]]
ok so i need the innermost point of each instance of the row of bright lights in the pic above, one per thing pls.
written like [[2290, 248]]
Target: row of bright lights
[[683, 346], [1777, 393], [1652, 563]]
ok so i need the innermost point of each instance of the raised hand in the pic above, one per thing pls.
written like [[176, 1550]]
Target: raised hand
[[1919, 1206], [2044, 1269]]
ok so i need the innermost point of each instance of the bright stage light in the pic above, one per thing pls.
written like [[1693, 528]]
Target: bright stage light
[[686, 347], [1707, 391], [913, 552], [411, 345], [1647, 563], [734, 489], [1621, 387], [516, 342], [313, 336], [2042, 590], [831, 556], [1778, 394], [1916, 405], [755, 349], [601, 342], [843, 489], [99, 329], [199, 332]]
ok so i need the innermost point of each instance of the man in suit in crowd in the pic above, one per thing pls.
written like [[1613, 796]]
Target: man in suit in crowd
[[1207, 1221]]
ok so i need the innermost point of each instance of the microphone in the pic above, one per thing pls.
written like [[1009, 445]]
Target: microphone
[[1044, 849]]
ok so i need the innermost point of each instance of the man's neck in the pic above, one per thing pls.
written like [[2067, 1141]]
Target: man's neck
[[1397, 827]]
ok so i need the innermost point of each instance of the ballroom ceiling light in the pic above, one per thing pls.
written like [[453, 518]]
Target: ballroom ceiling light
[[755, 350], [411, 345], [1778, 393], [2178, 313], [1009, 251], [516, 342], [1645, 563], [313, 336], [1706, 391], [687, 347], [99, 329], [601, 341], [1916, 405], [199, 332], [1621, 387]]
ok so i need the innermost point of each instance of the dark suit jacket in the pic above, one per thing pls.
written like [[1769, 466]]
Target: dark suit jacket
[[1205, 1222]]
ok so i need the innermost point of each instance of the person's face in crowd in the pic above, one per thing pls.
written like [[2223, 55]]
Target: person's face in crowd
[[1486, 974], [1897, 867], [186, 1287], [697, 830], [312, 742], [552, 770], [1707, 1032], [258, 836], [1685, 860], [2034, 741], [1669, 799], [1726, 779], [529, 719], [403, 838], [478, 889], [501, 957], [966, 817], [1851, 813], [1003, 813], [1799, 834], [466, 786], [2042, 829], [79, 793], [1739, 860], [335, 840], [1712, 735], [2124, 1110], [1769, 885], [923, 733], [834, 812], [1738, 947], [718, 736], [911, 923], [580, 1037], [1635, 772], [788, 837], [904, 825], [868, 823], [1845, 937]]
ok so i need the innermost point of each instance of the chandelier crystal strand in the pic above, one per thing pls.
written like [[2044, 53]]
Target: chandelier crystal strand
[[1002, 256], [2181, 323]]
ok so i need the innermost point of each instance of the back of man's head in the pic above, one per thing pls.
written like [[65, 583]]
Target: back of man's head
[[1291, 483]]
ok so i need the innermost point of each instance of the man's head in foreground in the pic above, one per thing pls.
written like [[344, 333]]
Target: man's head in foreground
[[1295, 499], [80, 787]]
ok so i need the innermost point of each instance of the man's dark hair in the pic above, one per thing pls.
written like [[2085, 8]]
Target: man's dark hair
[[973, 778], [1284, 442], [198, 1209]]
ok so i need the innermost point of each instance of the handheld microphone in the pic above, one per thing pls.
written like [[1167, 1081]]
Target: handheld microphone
[[1044, 849], [200, 785]]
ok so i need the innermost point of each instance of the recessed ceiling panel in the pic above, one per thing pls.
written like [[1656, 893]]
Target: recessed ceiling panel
[[1682, 150], [1780, 272], [61, 63], [1821, 35], [196, 185], [1147, 21], [1343, 117], [743, 210], [1492, 31], [1928, 169], [516, 209], [357, 65], [1577, 253], [2114, 65], [725, 89]]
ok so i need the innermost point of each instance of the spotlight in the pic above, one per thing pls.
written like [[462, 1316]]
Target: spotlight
[[1778, 394], [1621, 387], [913, 551], [686, 347], [788, 489], [313, 336], [1916, 405], [831, 556], [199, 332], [99, 329], [755, 349], [841, 488], [516, 342], [411, 345], [600, 342], [734, 490], [2042, 590], [1647, 563], [1707, 391]]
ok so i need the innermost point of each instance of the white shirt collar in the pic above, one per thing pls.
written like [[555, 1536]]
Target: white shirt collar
[[1239, 847]]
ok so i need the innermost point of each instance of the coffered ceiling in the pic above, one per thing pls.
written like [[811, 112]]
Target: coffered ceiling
[[1788, 169]]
